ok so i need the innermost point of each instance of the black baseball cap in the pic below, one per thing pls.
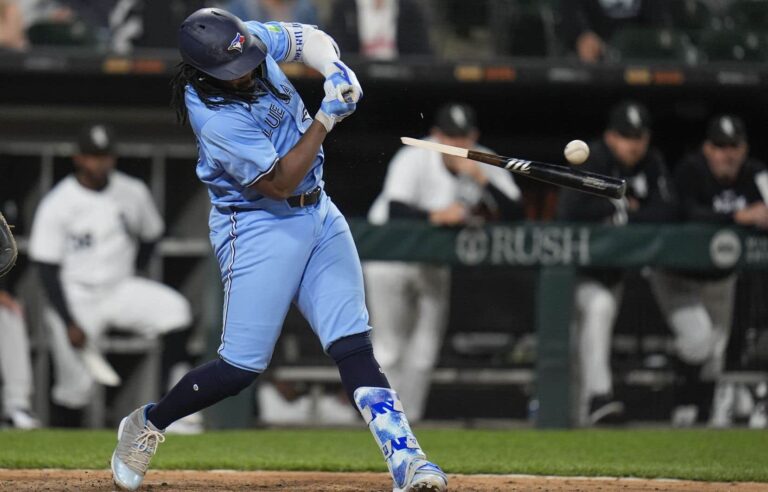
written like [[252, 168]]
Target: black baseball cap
[[630, 119], [726, 130], [96, 139], [456, 120]]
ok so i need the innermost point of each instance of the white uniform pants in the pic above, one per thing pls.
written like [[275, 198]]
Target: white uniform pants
[[136, 304], [596, 307], [699, 312], [15, 364], [408, 304]]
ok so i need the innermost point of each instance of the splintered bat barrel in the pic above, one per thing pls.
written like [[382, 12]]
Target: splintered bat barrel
[[597, 184]]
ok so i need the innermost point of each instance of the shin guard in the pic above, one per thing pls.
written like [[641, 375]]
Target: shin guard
[[383, 412]]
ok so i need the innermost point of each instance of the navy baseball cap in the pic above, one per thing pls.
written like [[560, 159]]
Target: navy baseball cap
[[630, 119], [219, 44], [456, 120], [726, 131], [96, 139]]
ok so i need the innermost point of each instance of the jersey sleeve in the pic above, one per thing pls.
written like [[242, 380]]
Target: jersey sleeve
[[274, 36], [401, 182], [151, 225], [47, 243], [239, 148]]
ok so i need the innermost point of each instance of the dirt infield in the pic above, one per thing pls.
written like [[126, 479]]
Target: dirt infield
[[173, 481]]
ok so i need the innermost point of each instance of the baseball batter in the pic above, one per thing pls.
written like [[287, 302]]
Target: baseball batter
[[625, 152], [722, 185], [409, 301], [85, 239], [278, 237]]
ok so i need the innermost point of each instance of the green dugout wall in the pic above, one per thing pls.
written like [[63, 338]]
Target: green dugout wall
[[558, 251]]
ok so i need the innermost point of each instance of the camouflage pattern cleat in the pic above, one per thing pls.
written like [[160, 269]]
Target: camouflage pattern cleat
[[137, 441], [411, 472], [423, 476]]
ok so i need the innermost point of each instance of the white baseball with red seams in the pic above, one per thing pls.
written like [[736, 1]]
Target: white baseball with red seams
[[576, 152]]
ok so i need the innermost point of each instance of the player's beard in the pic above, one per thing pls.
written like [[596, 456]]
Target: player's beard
[[241, 85], [250, 85]]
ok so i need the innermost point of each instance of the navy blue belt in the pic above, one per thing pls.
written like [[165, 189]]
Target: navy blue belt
[[305, 199]]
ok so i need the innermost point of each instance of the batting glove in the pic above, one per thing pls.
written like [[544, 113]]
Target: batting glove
[[344, 82], [342, 92], [332, 112]]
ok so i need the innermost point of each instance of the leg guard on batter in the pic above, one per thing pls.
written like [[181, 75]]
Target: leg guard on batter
[[200, 388], [357, 366], [407, 463]]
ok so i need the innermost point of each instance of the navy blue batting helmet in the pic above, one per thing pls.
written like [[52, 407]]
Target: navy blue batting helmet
[[219, 44]]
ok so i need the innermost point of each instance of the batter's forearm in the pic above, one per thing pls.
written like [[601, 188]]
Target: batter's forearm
[[293, 166]]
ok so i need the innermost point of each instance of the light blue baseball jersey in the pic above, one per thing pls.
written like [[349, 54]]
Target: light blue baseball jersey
[[269, 253], [239, 143]]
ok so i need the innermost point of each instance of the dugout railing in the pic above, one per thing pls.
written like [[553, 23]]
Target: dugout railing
[[552, 254], [530, 267], [558, 251]]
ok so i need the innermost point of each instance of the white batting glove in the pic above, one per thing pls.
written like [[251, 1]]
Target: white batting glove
[[332, 110], [344, 83]]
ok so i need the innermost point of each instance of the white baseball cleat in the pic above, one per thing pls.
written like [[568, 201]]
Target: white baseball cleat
[[423, 476], [137, 441]]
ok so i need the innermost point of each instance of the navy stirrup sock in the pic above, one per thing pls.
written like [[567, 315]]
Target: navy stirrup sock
[[357, 366], [198, 389]]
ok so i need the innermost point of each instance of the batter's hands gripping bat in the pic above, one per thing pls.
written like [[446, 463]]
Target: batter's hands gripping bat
[[597, 184]]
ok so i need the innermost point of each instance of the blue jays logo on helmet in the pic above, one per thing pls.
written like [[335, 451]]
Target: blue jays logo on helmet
[[237, 43], [206, 43]]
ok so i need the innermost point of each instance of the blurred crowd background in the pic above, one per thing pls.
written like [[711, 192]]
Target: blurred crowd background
[[537, 75], [683, 31]]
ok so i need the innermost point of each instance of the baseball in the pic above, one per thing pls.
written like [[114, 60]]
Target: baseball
[[576, 152]]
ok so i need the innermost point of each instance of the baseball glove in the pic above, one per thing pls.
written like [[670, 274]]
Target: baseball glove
[[8, 250]]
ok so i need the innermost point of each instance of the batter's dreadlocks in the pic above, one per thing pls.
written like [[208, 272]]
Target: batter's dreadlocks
[[207, 88], [211, 92]]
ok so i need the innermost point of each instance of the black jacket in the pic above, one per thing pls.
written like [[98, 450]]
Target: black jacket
[[704, 199], [648, 181]]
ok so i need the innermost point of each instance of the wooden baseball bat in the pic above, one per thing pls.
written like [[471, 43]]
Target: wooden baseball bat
[[597, 184]]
